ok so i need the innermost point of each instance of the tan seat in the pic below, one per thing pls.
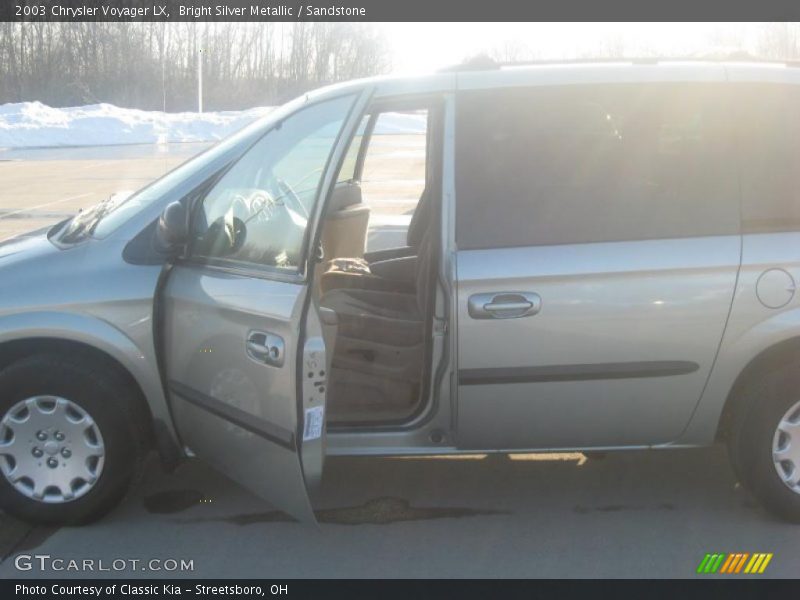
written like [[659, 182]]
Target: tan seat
[[344, 232], [381, 319], [381, 334], [394, 273]]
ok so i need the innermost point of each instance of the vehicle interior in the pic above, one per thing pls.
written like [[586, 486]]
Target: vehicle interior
[[378, 242]]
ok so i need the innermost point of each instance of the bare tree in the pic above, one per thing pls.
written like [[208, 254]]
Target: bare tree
[[153, 65], [780, 41]]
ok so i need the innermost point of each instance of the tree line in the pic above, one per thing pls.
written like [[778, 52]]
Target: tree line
[[153, 66]]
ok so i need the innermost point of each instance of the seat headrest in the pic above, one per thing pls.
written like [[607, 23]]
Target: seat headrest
[[346, 193]]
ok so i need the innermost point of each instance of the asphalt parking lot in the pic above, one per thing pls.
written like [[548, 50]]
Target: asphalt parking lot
[[637, 514], [42, 186]]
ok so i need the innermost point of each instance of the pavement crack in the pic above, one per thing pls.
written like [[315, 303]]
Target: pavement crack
[[379, 511]]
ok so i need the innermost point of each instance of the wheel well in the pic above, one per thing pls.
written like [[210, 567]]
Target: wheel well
[[15, 350], [771, 359]]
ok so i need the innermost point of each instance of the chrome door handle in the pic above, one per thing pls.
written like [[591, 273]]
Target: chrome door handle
[[501, 306], [266, 348], [504, 305]]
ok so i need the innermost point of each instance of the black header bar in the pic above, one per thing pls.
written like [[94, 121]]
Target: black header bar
[[150, 589], [398, 10]]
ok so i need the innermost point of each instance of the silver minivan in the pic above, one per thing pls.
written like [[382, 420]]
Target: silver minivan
[[587, 257]]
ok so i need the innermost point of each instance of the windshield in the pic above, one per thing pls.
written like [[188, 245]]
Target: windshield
[[106, 216]]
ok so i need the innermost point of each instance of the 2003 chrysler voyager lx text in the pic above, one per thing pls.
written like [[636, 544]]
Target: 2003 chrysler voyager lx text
[[602, 256]]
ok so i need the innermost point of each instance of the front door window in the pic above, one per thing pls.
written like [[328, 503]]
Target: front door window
[[257, 213]]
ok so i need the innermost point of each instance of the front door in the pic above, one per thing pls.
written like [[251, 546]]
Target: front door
[[242, 343]]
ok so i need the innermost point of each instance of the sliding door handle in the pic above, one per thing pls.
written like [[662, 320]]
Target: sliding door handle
[[495, 307], [504, 305]]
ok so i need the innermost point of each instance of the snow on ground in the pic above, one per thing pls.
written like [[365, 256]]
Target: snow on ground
[[36, 125], [33, 124]]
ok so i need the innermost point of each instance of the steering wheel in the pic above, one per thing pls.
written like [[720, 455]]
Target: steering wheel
[[240, 206], [262, 206], [225, 236], [288, 193]]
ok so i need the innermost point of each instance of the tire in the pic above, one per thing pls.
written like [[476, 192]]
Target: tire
[[765, 402], [115, 430]]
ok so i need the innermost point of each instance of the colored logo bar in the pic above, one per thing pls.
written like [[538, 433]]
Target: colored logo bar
[[734, 563]]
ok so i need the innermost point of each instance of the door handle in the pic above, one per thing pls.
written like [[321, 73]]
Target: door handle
[[266, 348], [504, 305]]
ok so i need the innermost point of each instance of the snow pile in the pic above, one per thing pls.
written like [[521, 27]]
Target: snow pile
[[36, 125], [400, 123], [33, 124]]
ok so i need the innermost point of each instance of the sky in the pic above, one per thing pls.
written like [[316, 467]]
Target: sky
[[420, 47]]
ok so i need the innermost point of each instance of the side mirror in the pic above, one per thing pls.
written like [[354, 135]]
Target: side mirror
[[172, 229]]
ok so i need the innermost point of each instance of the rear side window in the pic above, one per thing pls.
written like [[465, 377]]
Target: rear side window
[[579, 164], [770, 147]]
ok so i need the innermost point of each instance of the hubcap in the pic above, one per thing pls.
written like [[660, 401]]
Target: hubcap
[[51, 450], [786, 448]]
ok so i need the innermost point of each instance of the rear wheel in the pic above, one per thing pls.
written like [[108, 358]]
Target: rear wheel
[[71, 439], [765, 443]]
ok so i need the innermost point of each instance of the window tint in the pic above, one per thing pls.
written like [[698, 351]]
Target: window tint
[[257, 212], [770, 146], [557, 165]]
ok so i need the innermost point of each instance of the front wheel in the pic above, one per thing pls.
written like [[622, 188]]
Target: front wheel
[[765, 445], [71, 440]]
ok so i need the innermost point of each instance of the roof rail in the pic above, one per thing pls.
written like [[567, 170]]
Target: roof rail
[[483, 62]]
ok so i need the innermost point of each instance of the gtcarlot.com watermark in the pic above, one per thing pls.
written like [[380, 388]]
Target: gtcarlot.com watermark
[[46, 562]]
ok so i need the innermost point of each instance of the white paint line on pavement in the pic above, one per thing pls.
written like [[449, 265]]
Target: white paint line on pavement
[[94, 164], [38, 206]]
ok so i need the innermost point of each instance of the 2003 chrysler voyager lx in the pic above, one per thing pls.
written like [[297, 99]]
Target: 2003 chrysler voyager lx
[[602, 256]]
